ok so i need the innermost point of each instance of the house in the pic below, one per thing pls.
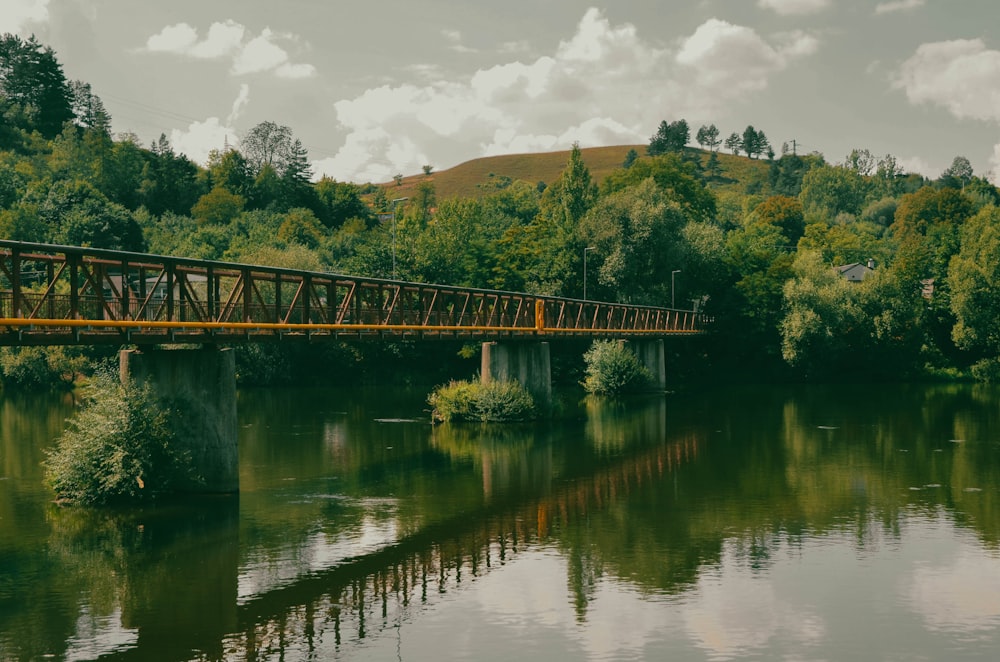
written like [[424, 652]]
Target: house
[[856, 272]]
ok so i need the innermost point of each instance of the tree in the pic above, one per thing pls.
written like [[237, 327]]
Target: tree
[[677, 178], [630, 157], [33, 85], [831, 190], [974, 279], [636, 231], [340, 201], [301, 227], [218, 207], [708, 136], [860, 161], [88, 109], [734, 143], [669, 138], [958, 174], [267, 145], [754, 142], [169, 181], [784, 213]]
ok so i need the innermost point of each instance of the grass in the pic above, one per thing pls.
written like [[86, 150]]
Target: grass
[[465, 179]]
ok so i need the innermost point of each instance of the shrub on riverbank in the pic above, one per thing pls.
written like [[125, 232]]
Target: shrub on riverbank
[[40, 368], [613, 368], [118, 447], [493, 402]]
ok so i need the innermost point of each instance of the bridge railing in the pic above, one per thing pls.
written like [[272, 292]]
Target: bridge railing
[[64, 295]]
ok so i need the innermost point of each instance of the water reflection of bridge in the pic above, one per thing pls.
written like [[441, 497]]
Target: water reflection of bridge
[[367, 596], [372, 594]]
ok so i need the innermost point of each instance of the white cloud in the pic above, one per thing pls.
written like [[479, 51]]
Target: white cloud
[[962, 76], [454, 37], [994, 174], [727, 61], [179, 38], [961, 598], [604, 85], [788, 7], [918, 165], [229, 39], [201, 137], [17, 15], [898, 5]]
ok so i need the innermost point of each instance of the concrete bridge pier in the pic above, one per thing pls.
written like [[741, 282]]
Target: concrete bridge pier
[[202, 382], [651, 353], [526, 362]]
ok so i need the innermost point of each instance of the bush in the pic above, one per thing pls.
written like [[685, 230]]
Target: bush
[[475, 401], [40, 368], [118, 447], [612, 368], [987, 370]]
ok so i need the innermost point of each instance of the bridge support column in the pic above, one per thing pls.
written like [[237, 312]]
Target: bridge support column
[[527, 363], [203, 383], [651, 353]]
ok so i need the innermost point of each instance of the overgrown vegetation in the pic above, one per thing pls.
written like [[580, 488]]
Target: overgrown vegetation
[[612, 369], [119, 447], [492, 402]]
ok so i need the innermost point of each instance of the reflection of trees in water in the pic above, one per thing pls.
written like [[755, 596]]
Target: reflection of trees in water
[[372, 595]]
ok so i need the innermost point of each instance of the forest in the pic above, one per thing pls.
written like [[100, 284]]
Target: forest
[[760, 239]]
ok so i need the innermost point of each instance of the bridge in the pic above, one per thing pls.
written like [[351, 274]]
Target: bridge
[[66, 295], [63, 295]]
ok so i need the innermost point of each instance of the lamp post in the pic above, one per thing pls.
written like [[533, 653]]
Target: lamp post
[[394, 203], [588, 248], [672, 274]]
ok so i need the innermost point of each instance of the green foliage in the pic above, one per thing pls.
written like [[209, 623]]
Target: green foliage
[[612, 368], [493, 402], [119, 447], [670, 137], [40, 368]]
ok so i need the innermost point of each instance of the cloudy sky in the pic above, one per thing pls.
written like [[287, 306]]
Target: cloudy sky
[[383, 87]]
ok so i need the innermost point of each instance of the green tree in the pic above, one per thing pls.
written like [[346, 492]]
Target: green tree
[[677, 178], [708, 136], [637, 236], [734, 143], [784, 213], [670, 137], [340, 201], [33, 86], [630, 157], [958, 174], [301, 227], [831, 190], [974, 280], [218, 207], [169, 180]]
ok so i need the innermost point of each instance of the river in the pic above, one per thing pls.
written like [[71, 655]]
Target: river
[[796, 523]]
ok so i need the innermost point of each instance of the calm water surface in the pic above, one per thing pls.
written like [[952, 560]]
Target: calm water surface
[[753, 523]]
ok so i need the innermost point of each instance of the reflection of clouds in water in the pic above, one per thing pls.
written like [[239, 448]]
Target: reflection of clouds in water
[[962, 596], [533, 592], [734, 611]]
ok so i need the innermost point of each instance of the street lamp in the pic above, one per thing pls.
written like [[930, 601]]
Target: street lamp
[[588, 248], [672, 274], [394, 203]]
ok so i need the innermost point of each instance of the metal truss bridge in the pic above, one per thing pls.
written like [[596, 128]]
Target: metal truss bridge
[[65, 295]]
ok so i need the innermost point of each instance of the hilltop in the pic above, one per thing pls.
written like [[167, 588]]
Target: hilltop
[[472, 178]]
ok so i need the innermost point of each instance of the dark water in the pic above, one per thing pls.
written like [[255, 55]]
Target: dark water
[[752, 523]]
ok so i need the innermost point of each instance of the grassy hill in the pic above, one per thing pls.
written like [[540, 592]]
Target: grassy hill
[[467, 180]]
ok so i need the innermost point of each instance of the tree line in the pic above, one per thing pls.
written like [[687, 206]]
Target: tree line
[[753, 241]]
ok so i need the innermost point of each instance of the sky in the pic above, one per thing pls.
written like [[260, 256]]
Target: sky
[[386, 87]]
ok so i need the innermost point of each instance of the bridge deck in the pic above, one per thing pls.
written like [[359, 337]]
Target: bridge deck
[[59, 295]]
